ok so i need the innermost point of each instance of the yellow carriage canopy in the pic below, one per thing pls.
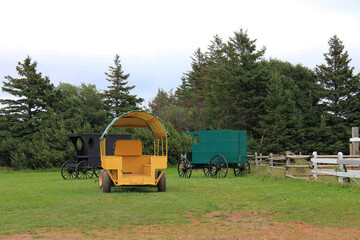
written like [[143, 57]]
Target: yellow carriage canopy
[[138, 119]]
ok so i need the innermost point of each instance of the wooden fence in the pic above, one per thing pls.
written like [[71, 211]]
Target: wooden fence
[[344, 167], [336, 165], [284, 162]]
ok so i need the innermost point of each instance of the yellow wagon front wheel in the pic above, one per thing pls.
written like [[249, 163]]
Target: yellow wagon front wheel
[[104, 181]]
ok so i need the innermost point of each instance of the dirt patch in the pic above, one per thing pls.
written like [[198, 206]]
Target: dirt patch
[[214, 225]]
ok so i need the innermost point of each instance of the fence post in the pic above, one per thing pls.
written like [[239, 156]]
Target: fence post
[[340, 157], [256, 160], [355, 144], [271, 163], [287, 162], [315, 166]]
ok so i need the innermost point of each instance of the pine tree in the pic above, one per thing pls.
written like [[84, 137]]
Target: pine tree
[[33, 93], [117, 97]]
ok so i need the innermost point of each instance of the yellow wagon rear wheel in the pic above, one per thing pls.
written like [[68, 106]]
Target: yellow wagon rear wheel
[[162, 183]]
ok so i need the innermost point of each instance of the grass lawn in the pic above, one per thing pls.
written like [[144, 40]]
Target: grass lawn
[[32, 202]]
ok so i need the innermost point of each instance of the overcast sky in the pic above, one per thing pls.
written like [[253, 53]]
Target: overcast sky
[[76, 41]]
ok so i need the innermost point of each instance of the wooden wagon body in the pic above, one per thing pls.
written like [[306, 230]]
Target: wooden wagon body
[[128, 166], [215, 151]]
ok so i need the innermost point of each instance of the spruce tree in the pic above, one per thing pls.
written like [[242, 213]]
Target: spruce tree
[[337, 81], [32, 94], [339, 88], [234, 79], [282, 122], [118, 98]]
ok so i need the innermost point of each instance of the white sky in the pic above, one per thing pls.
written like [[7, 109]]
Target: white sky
[[75, 41]]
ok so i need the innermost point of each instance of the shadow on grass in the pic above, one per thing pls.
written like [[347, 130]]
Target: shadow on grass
[[135, 189]]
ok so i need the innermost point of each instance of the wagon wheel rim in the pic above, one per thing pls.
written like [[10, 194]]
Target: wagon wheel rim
[[242, 168], [66, 171], [218, 167], [206, 171], [84, 170], [184, 169], [96, 171]]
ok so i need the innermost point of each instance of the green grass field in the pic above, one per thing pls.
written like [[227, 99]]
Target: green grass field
[[32, 202]]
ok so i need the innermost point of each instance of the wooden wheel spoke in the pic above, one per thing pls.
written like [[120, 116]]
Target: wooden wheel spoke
[[219, 166]]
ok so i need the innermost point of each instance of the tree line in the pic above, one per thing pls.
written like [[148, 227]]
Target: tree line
[[282, 106], [34, 123], [229, 86]]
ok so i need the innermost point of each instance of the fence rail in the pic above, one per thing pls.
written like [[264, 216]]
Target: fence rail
[[283, 162], [340, 165]]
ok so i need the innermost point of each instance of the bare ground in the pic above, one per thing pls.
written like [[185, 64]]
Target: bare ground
[[214, 225]]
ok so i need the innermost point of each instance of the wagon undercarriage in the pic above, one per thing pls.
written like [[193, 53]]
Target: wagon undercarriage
[[214, 170]]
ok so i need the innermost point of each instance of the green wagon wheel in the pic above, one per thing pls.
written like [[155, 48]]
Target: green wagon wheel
[[84, 170], [241, 169], [68, 170], [218, 167], [184, 169], [206, 171]]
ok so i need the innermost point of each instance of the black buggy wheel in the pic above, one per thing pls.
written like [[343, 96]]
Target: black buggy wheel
[[84, 170], [241, 169], [218, 167], [97, 170], [206, 171], [184, 169], [68, 170]]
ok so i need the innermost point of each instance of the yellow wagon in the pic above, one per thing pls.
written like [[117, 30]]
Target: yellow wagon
[[128, 166]]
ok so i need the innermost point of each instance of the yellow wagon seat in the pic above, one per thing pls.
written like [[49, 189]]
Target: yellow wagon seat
[[128, 148], [134, 163]]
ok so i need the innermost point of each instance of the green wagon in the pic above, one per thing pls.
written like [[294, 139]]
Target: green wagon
[[215, 151]]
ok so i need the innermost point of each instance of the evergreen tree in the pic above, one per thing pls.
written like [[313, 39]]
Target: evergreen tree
[[234, 78], [291, 102], [117, 98], [193, 88], [282, 124], [339, 88], [33, 93], [337, 81]]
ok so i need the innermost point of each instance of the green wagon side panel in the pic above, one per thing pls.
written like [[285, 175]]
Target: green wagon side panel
[[232, 144]]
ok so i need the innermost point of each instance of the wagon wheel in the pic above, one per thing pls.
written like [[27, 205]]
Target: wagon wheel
[[162, 182], [184, 169], [241, 169], [218, 167], [84, 170], [206, 171], [68, 170], [105, 181], [96, 171]]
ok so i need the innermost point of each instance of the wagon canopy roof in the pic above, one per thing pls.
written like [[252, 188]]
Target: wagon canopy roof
[[138, 119]]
